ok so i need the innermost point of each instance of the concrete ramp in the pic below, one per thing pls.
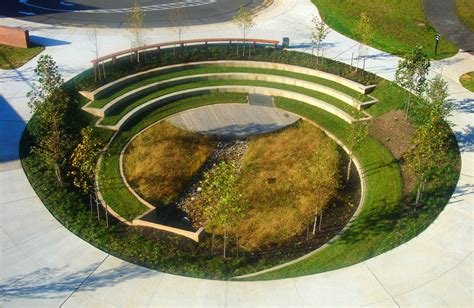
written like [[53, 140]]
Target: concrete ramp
[[233, 120]]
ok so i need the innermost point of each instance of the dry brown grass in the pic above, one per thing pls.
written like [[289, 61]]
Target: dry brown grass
[[162, 160], [274, 183]]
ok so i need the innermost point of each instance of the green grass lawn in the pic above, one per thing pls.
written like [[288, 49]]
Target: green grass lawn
[[15, 57], [465, 11], [467, 80], [398, 25]]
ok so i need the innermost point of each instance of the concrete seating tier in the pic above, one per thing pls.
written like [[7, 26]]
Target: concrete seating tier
[[161, 100], [150, 88], [112, 86]]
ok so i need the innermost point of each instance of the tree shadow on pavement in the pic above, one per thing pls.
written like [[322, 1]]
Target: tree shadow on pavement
[[50, 283]]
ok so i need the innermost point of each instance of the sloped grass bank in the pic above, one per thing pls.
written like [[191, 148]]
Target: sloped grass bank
[[397, 26]]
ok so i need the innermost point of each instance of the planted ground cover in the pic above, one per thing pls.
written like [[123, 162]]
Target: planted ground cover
[[277, 180], [119, 112], [15, 57], [108, 97], [163, 159], [397, 26]]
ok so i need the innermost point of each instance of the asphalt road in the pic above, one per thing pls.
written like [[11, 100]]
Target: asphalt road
[[113, 13], [442, 15]]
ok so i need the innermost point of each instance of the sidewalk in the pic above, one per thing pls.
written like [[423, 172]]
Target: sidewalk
[[42, 263]]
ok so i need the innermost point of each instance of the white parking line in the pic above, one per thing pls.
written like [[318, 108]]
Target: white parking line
[[149, 8]]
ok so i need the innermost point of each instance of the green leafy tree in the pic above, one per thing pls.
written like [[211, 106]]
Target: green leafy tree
[[411, 74], [429, 151], [84, 159], [430, 144], [135, 23], [221, 207], [244, 20], [49, 103], [357, 133], [319, 32]]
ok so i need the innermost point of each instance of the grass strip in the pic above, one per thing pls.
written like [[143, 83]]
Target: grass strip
[[15, 57]]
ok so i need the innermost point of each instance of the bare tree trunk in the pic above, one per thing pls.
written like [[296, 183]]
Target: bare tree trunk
[[349, 166], [225, 242], [243, 46], [90, 203], [212, 243], [97, 207], [307, 231], [315, 222], [419, 192], [106, 216], [57, 172], [317, 54], [321, 219], [237, 245]]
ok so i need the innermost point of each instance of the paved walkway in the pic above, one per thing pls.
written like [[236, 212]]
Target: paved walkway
[[42, 263], [233, 120], [442, 15]]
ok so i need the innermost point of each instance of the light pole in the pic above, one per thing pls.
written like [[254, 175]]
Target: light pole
[[437, 41]]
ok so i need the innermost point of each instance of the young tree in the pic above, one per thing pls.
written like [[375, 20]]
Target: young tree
[[365, 31], [221, 207], [84, 159], [411, 74], [135, 22], [323, 182], [49, 103], [244, 20], [357, 133], [319, 32], [94, 42], [179, 19], [430, 144]]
